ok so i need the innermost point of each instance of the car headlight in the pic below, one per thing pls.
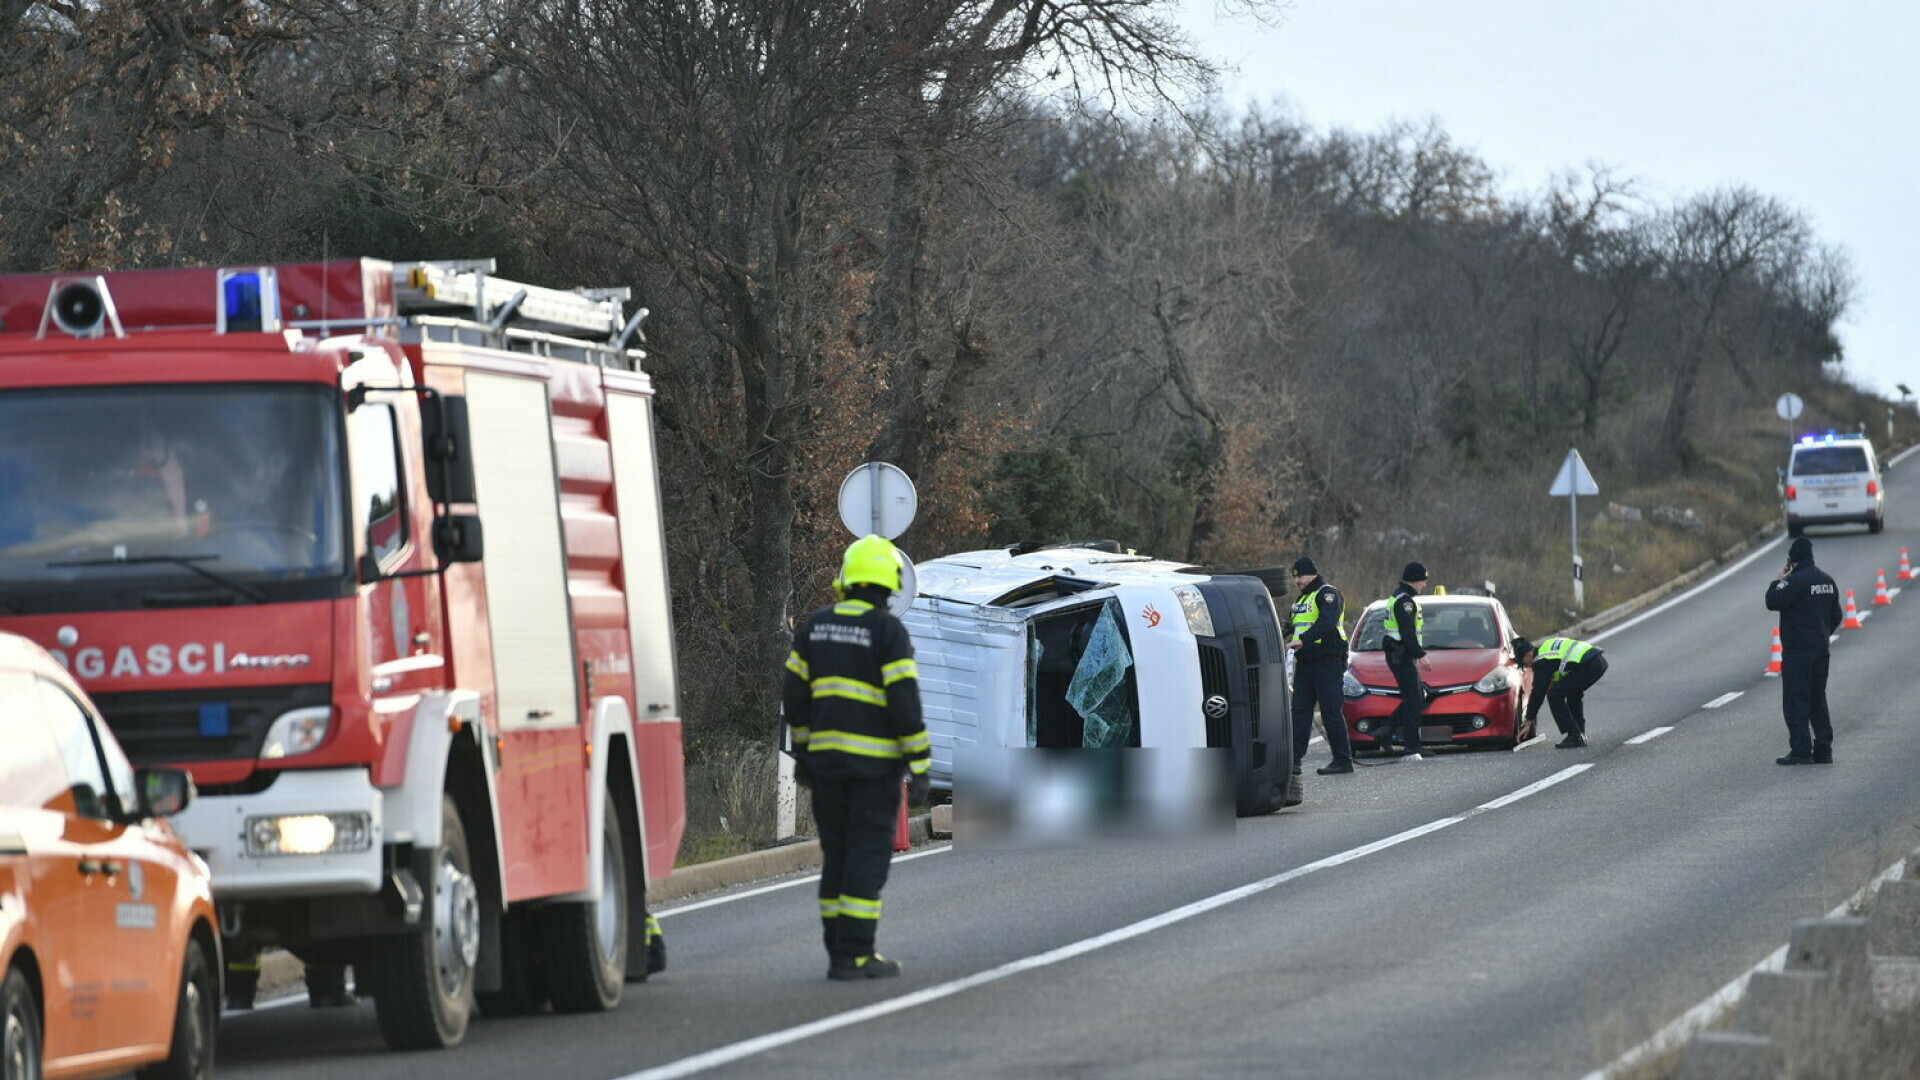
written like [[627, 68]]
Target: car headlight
[[1350, 687], [298, 732], [1199, 618], [1497, 681]]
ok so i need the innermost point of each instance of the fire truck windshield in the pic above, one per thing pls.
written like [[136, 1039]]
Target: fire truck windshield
[[121, 496]]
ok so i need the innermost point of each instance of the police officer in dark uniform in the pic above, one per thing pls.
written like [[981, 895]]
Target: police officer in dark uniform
[[1564, 669], [1809, 607], [1319, 647], [1405, 657], [852, 699]]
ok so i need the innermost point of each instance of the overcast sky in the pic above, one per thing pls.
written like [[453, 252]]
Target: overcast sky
[[1811, 102]]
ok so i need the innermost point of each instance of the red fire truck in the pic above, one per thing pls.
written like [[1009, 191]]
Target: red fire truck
[[375, 551]]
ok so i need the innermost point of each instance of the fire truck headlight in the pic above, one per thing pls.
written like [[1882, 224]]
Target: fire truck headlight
[[298, 732], [1199, 616], [309, 834]]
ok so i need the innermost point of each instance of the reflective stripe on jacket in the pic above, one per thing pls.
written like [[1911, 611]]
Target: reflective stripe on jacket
[[852, 693]]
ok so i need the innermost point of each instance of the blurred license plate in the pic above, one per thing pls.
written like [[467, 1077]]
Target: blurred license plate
[[1436, 734]]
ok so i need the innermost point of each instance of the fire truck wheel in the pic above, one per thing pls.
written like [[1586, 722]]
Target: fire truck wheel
[[586, 949], [423, 983], [20, 1051], [523, 988], [191, 1055]]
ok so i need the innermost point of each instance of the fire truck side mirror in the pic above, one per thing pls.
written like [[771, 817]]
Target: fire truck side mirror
[[449, 449], [457, 538]]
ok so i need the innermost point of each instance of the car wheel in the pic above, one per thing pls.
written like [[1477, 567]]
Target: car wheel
[[423, 984], [190, 1057], [20, 1040], [586, 944], [1878, 523]]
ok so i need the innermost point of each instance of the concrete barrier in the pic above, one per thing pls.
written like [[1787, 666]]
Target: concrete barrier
[[1836, 946], [1730, 1055], [1893, 926], [1780, 1004]]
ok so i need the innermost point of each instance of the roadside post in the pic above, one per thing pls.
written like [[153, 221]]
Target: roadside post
[[878, 499], [1574, 481]]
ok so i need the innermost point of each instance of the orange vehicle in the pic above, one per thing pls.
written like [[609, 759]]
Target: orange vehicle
[[107, 932]]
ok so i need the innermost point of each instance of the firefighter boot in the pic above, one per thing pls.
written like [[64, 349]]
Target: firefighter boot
[[243, 981], [847, 968], [656, 948], [327, 987]]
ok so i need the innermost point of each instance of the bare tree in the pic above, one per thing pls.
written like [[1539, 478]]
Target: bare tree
[[1715, 243]]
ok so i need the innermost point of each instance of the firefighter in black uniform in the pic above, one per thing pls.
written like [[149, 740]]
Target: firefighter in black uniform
[[1564, 669], [852, 699], [1809, 607], [1319, 660], [1405, 657]]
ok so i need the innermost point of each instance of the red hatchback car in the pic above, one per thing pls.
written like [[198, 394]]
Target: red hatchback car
[[1477, 689]]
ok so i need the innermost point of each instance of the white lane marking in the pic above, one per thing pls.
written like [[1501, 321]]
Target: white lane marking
[[1723, 699], [281, 1002], [777, 886], [1687, 595], [726, 1055], [1701, 1016], [1649, 735]]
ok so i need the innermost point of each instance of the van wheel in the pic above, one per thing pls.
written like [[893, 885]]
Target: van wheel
[[20, 1040], [586, 944], [1795, 530], [194, 1017], [1879, 522], [423, 983]]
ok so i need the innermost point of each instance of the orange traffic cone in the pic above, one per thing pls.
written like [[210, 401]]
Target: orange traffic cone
[[1880, 597], [1906, 572], [1852, 621], [1773, 664]]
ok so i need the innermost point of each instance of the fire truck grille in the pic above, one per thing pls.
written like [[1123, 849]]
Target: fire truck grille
[[166, 727]]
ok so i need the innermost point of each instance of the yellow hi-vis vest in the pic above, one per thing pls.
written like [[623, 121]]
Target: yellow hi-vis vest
[[1306, 612], [1566, 650], [1419, 621]]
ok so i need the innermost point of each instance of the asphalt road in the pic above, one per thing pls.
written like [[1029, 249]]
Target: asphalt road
[[1526, 914]]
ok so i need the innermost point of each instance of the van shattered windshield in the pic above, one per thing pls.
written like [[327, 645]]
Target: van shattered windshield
[[106, 490]]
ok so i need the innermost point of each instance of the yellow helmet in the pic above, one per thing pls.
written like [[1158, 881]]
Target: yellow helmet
[[870, 561]]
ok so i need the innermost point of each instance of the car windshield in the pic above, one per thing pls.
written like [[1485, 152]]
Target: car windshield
[[227, 489], [1444, 626], [1829, 460]]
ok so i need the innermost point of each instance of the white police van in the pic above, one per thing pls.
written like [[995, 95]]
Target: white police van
[[1834, 480], [1088, 647]]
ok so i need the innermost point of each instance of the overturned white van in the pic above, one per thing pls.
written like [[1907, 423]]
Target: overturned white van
[[1089, 646]]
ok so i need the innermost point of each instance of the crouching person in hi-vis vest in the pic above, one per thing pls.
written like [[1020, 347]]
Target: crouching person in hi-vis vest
[[852, 698]]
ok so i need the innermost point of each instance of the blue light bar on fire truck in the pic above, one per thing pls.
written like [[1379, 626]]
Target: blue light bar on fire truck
[[249, 301]]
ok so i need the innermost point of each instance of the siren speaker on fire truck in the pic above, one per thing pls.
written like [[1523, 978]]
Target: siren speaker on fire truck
[[81, 307]]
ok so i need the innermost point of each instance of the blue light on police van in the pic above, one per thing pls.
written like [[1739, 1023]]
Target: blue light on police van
[[249, 301]]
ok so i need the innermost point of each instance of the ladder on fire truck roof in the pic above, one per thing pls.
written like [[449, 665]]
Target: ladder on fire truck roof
[[460, 300], [466, 288]]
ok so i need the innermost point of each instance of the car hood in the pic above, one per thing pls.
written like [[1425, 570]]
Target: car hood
[[1451, 667]]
